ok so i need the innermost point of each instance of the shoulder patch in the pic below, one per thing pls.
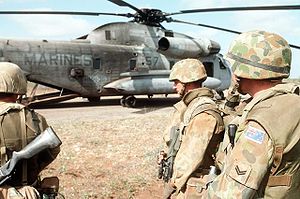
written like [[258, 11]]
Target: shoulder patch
[[254, 134]]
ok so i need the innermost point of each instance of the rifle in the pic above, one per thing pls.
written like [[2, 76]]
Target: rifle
[[167, 164], [47, 139]]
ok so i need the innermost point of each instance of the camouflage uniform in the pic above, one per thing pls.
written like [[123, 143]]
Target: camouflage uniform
[[201, 130], [264, 162], [19, 126]]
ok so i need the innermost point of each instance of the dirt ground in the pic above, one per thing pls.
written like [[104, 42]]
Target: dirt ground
[[108, 151]]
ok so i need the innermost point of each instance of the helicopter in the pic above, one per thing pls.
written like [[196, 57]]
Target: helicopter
[[121, 58]]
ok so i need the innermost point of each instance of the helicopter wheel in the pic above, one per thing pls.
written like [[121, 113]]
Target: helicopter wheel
[[93, 99], [130, 101], [122, 101]]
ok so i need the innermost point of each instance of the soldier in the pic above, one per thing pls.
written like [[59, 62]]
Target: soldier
[[19, 126], [194, 134], [263, 161]]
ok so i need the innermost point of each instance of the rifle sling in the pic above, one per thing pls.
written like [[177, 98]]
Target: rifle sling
[[2, 144], [24, 143]]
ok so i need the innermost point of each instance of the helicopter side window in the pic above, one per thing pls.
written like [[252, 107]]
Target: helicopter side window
[[132, 64], [107, 35], [97, 63], [209, 67], [171, 64]]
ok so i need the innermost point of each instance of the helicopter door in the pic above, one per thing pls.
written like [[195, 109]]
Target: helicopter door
[[132, 64], [98, 73], [209, 68]]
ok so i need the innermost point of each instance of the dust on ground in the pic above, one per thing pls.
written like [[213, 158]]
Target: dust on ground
[[108, 151]]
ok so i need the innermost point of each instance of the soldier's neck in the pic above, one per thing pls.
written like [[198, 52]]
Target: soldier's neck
[[260, 85]]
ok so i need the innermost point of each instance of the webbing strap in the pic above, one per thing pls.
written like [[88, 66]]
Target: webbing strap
[[24, 143], [212, 110], [2, 144], [283, 180], [278, 153]]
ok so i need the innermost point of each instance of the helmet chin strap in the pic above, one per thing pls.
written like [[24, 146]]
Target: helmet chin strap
[[182, 91]]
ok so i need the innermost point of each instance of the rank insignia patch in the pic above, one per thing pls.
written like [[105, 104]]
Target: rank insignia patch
[[254, 134]]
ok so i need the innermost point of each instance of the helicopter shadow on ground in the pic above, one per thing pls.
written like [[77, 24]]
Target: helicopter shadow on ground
[[143, 105]]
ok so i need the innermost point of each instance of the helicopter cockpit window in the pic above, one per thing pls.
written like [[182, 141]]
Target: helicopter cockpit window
[[107, 35], [97, 63], [209, 67], [132, 64]]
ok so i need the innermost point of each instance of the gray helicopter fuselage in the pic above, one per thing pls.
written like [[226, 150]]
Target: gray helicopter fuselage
[[92, 65]]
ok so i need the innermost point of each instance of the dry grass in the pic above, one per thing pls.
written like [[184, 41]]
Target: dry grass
[[108, 158]]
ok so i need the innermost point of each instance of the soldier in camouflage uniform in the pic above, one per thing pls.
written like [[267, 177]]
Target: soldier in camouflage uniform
[[19, 126], [200, 129], [264, 161]]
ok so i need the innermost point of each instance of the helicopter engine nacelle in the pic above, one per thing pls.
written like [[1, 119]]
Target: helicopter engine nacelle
[[181, 48]]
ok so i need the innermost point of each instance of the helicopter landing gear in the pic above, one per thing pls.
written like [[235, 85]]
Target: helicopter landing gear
[[122, 101], [93, 99], [128, 101]]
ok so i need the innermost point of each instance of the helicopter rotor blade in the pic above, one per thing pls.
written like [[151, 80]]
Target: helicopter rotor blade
[[217, 28], [294, 46], [66, 13], [253, 8], [164, 18], [123, 3], [204, 25]]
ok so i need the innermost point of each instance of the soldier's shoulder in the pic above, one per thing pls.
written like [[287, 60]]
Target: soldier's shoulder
[[6, 107], [201, 101], [198, 106], [286, 102]]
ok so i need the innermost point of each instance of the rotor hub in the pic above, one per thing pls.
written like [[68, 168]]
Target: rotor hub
[[151, 17]]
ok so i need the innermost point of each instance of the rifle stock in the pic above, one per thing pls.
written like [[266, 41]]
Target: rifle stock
[[47, 139]]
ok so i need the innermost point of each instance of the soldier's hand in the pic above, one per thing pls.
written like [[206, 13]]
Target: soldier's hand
[[169, 189], [161, 156]]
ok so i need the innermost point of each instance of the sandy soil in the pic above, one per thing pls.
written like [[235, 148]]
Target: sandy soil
[[108, 151]]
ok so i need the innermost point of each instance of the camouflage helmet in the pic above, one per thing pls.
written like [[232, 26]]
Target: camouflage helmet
[[260, 55], [188, 70], [12, 79]]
